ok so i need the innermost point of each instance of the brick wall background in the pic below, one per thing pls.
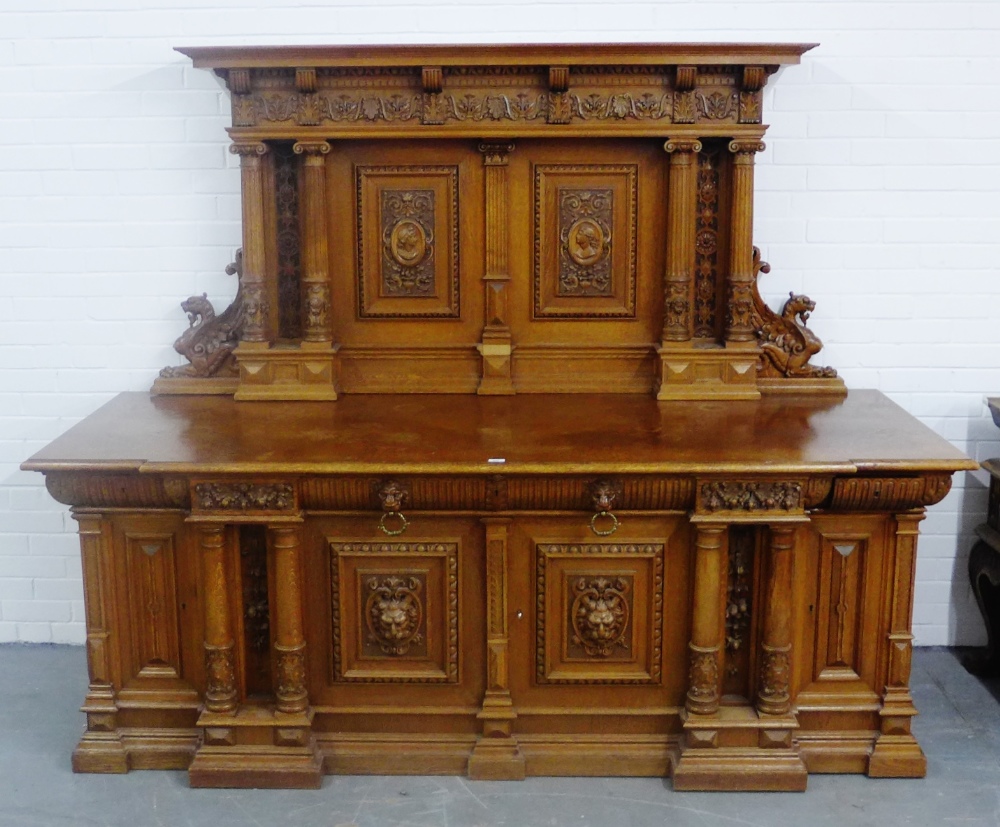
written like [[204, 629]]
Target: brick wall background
[[878, 196]]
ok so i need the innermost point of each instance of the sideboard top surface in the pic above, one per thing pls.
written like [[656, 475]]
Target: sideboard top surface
[[425, 433]]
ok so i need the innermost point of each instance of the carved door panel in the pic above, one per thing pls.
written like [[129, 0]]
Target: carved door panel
[[598, 622], [405, 242], [155, 573], [395, 622], [587, 251], [840, 642]]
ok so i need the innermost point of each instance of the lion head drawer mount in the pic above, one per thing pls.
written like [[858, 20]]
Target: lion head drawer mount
[[498, 464]]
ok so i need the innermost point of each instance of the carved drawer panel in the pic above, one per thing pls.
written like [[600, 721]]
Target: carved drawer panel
[[599, 612], [408, 241], [395, 611], [585, 240]]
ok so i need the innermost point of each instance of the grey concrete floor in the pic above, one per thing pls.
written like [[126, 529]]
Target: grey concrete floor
[[42, 686]]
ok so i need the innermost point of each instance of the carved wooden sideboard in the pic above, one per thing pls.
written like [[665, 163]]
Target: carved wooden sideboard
[[498, 464]]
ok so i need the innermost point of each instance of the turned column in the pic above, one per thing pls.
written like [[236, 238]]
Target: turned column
[[496, 344], [773, 696], [220, 667], [678, 285], [315, 255], [708, 621], [289, 644], [739, 311], [255, 300]]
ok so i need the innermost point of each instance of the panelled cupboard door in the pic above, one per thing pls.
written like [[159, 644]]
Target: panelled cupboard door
[[595, 632], [156, 629], [406, 237], [843, 566], [395, 625]]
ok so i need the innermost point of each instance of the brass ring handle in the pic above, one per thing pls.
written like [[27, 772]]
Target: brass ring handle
[[393, 532], [604, 532]]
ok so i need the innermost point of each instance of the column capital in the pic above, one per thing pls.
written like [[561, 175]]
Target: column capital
[[248, 149], [682, 146], [496, 154], [746, 146], [310, 148]]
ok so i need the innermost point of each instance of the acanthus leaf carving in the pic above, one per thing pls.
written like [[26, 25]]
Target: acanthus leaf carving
[[703, 674], [291, 669], [717, 106], [244, 496], [727, 495], [621, 106]]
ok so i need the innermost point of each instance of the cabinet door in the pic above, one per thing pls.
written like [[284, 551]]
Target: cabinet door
[[396, 624], [599, 623]]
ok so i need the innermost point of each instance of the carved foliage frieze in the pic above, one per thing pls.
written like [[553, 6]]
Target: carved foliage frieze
[[750, 496], [354, 96], [244, 496], [395, 612]]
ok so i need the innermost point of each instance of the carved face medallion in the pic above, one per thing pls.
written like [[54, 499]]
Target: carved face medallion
[[586, 242], [393, 612], [600, 614], [408, 243]]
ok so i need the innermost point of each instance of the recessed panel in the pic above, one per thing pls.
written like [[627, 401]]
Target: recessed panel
[[585, 240], [395, 612], [408, 242], [599, 612]]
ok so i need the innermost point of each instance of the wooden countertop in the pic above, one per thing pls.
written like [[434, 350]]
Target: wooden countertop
[[568, 433]]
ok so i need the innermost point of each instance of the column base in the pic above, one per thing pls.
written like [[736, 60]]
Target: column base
[[308, 371], [897, 756], [100, 752], [257, 748], [496, 759], [496, 376], [735, 750], [695, 373]]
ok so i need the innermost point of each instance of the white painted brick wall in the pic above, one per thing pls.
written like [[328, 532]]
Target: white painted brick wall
[[878, 196]]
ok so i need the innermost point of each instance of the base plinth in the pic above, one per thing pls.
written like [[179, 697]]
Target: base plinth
[[257, 748], [496, 759]]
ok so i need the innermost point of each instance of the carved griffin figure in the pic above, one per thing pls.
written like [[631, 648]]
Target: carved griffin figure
[[210, 340], [786, 342]]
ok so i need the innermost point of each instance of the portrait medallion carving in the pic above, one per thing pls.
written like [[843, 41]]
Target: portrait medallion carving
[[408, 242], [585, 217]]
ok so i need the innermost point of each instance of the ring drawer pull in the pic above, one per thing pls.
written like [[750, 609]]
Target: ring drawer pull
[[607, 532], [403, 523]]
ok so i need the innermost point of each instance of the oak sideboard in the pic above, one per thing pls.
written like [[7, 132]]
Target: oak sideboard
[[498, 464]]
